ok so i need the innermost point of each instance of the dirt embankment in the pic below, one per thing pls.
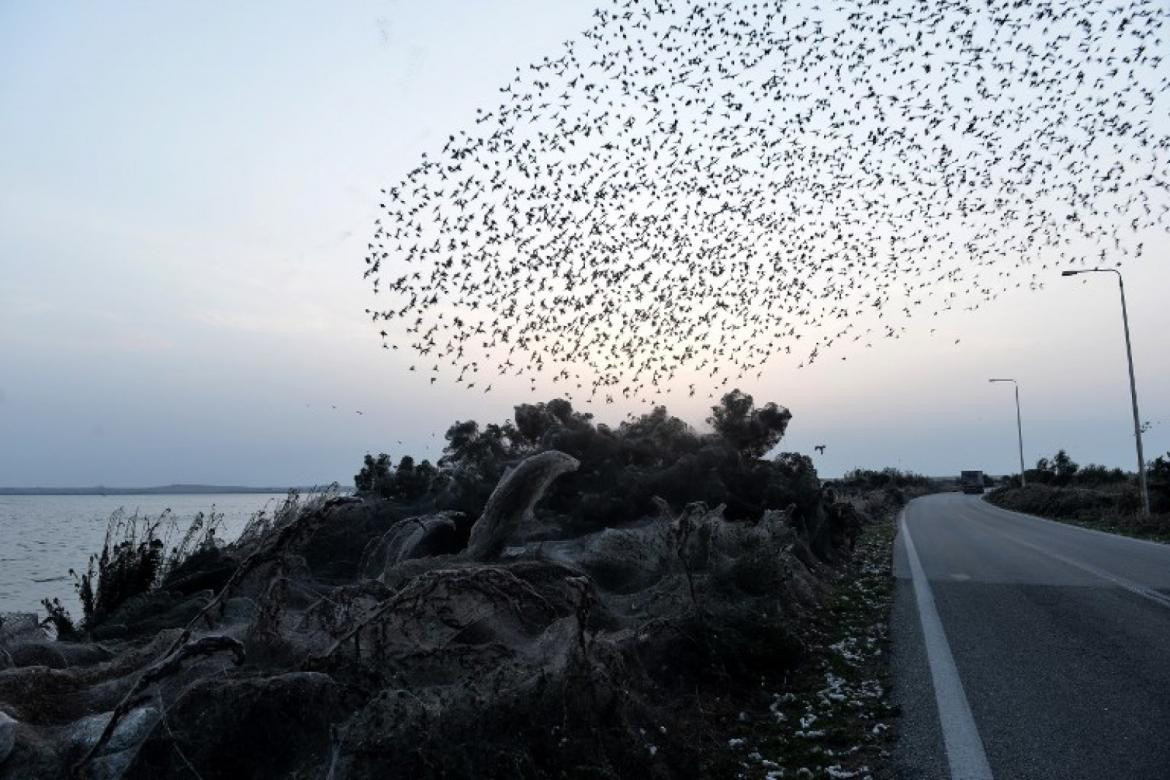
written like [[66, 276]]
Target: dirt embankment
[[1116, 509], [342, 640]]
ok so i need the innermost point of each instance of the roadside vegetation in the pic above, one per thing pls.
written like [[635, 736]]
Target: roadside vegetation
[[149, 563], [1092, 496], [140, 552], [554, 597], [831, 717]]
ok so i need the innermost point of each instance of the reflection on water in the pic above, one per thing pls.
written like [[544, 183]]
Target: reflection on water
[[43, 537]]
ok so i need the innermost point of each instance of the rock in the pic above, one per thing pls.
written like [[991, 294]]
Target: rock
[[554, 714], [20, 627], [82, 654], [131, 729], [621, 560], [511, 503], [442, 533], [116, 755], [55, 655], [245, 727], [150, 612], [37, 694], [181, 614], [209, 568], [129, 613], [335, 551], [239, 609], [7, 735], [37, 654]]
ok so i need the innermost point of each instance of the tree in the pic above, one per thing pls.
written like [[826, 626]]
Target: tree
[[375, 472], [1158, 475], [622, 469], [535, 421], [750, 431], [412, 482], [1159, 470], [468, 447], [657, 438], [1063, 467]]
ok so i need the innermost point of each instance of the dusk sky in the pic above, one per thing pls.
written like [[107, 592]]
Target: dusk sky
[[186, 194]]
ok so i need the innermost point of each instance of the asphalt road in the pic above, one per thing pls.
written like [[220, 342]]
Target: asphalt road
[[1044, 651]]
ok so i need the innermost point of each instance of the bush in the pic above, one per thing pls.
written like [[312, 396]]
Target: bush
[[747, 429], [134, 559], [1094, 474], [1061, 470], [374, 474], [1158, 479], [1055, 502], [622, 469], [407, 481], [870, 479]]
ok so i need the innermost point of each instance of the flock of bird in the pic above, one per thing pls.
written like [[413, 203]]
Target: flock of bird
[[694, 187]]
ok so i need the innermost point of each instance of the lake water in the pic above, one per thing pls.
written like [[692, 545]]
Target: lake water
[[43, 537]]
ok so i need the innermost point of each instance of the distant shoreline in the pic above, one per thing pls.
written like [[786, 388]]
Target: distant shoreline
[[165, 490]]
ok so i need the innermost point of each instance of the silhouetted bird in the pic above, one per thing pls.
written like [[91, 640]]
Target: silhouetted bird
[[695, 188]]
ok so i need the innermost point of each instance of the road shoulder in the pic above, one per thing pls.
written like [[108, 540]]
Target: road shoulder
[[835, 717]]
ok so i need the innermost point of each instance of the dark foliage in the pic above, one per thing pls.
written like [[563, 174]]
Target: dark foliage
[[59, 618], [402, 635], [139, 554], [1158, 479], [130, 563], [621, 469], [1059, 502], [1059, 470], [374, 473], [1095, 495], [407, 481], [871, 479], [748, 429], [1062, 471]]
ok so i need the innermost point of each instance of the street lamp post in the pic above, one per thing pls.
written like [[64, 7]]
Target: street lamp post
[[1019, 428], [1137, 426]]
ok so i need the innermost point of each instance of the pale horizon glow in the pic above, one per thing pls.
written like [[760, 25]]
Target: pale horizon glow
[[185, 199]]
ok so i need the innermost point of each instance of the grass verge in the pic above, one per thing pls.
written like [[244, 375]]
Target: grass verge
[[1112, 511], [832, 717]]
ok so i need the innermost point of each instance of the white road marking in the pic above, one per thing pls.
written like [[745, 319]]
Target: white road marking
[[961, 739], [1062, 526], [1159, 598], [1121, 582]]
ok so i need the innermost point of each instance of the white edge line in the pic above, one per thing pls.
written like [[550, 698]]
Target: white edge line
[[961, 740], [1121, 582], [1151, 594], [1098, 532]]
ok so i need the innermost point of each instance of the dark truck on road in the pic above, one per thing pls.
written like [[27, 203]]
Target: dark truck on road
[[971, 481]]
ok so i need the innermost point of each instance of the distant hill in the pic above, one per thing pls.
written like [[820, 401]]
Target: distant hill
[[164, 490]]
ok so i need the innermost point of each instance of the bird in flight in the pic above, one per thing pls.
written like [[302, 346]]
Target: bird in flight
[[699, 188]]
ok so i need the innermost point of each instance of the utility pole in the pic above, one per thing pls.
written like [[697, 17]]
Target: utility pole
[[1137, 425], [1019, 428]]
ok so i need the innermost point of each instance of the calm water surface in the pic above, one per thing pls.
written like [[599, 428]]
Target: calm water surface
[[42, 537]]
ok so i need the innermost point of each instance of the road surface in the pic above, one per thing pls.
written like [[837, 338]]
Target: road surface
[[1024, 648]]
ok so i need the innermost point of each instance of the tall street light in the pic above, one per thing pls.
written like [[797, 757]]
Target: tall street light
[[1019, 427], [1137, 426]]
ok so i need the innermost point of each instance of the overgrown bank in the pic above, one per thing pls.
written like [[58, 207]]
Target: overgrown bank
[[1092, 496], [1115, 510], [831, 716], [554, 598]]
